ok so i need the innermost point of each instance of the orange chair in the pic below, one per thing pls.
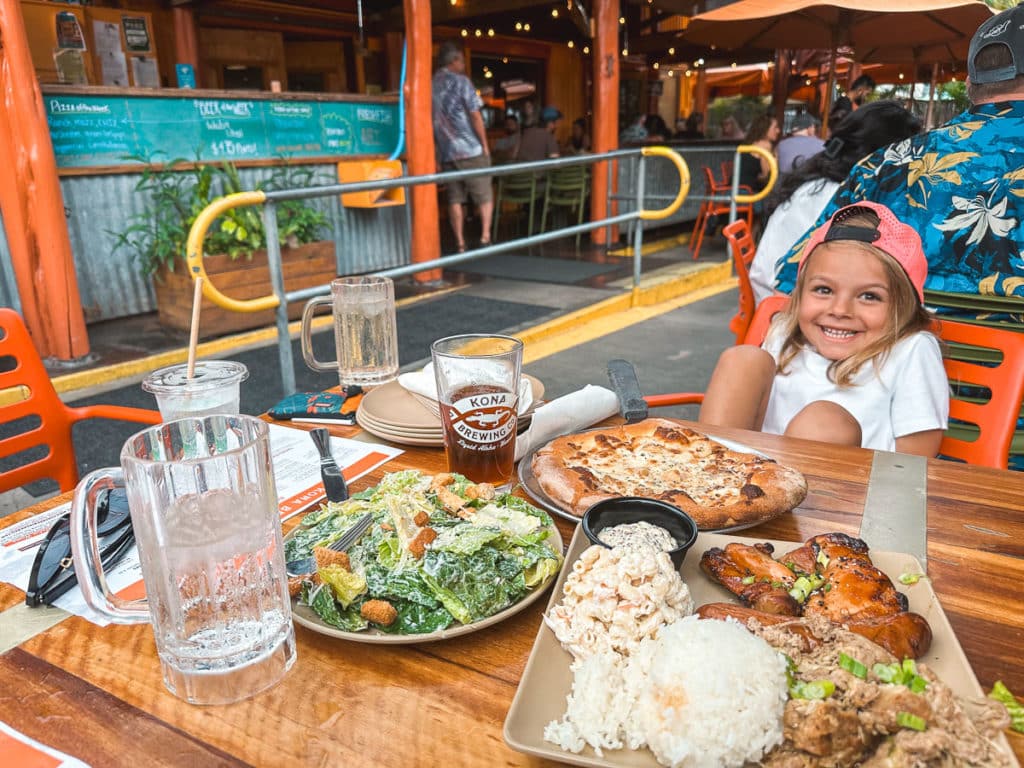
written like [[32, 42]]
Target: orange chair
[[31, 409], [743, 249], [709, 208], [981, 428], [757, 330]]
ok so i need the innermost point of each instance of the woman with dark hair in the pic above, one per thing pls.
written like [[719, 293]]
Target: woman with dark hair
[[657, 128], [803, 194], [763, 132]]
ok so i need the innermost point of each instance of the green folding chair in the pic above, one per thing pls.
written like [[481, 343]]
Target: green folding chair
[[566, 187], [520, 189]]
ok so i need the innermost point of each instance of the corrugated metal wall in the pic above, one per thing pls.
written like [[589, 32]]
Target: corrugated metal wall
[[109, 281]]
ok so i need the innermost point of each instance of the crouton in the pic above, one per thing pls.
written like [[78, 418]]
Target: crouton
[[450, 501], [419, 544], [387, 527], [483, 491], [421, 519], [440, 481], [379, 612], [295, 585], [325, 557]]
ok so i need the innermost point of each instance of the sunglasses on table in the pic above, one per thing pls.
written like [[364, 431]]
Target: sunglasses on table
[[53, 571]]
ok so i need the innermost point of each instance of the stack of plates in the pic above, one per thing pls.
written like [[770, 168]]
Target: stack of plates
[[392, 413]]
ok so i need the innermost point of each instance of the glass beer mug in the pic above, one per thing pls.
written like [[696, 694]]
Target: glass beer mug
[[204, 509], [365, 332]]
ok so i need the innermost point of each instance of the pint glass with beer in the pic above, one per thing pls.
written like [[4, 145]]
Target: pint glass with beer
[[478, 391]]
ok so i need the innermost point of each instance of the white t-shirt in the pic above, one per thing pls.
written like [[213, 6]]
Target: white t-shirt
[[785, 226], [908, 393]]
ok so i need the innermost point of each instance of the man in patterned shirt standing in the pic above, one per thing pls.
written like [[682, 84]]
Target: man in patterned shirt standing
[[461, 141], [961, 186]]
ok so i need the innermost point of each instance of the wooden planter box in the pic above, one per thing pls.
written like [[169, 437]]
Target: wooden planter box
[[308, 265]]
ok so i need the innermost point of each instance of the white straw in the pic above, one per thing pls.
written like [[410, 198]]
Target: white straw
[[193, 339]]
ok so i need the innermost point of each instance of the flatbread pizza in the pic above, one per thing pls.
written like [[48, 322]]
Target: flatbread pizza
[[660, 459]]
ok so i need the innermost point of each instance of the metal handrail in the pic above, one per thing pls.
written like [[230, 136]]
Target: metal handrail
[[280, 298]]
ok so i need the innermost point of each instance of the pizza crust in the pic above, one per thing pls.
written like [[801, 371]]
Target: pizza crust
[[660, 459]]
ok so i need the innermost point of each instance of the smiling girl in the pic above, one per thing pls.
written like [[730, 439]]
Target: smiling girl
[[851, 361]]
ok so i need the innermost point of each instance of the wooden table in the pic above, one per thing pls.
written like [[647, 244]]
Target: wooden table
[[97, 693]]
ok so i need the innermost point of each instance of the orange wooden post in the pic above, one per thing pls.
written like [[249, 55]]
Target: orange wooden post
[[419, 134], [606, 107], [186, 41], [32, 203]]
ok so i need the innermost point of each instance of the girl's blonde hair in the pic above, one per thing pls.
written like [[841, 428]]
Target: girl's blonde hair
[[907, 317]]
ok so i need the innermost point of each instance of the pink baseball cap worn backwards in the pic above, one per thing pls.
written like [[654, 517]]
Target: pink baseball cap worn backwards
[[899, 240]]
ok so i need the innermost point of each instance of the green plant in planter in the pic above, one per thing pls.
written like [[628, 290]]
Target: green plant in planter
[[157, 237]]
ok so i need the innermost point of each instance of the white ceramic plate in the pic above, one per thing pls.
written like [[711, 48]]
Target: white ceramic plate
[[307, 617]]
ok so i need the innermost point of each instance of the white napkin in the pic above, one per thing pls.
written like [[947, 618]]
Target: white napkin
[[567, 414], [423, 383]]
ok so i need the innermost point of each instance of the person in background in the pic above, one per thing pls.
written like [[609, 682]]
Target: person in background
[[635, 131], [692, 128], [730, 129], [854, 98], [851, 360], [538, 142], [579, 139], [801, 144], [461, 141], [959, 185], [657, 129], [800, 196], [507, 147], [754, 170], [529, 114]]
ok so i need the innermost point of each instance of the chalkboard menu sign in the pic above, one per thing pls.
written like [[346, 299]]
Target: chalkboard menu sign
[[92, 130]]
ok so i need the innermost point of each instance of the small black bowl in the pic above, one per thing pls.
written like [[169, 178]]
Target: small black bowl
[[634, 509]]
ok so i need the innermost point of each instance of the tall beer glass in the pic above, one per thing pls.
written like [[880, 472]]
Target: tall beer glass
[[478, 391]]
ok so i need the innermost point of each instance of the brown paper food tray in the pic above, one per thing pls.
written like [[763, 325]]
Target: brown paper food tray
[[547, 681]]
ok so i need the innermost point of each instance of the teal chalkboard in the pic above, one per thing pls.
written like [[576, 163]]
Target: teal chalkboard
[[91, 131]]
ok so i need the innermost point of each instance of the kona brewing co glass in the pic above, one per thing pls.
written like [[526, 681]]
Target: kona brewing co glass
[[478, 390]]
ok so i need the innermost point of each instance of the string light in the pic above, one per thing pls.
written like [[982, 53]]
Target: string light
[[622, 19], [478, 33], [554, 13], [519, 26], [671, 73], [734, 65], [625, 51], [490, 33], [671, 51], [688, 73], [571, 44], [465, 33], [526, 27], [586, 49], [656, 65]]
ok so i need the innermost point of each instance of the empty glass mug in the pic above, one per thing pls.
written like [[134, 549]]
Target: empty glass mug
[[365, 333], [204, 509]]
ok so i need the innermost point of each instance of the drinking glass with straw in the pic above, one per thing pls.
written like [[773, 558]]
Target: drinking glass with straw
[[197, 388]]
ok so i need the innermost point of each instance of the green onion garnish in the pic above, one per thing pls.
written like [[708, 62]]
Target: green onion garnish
[[1015, 709], [911, 578], [907, 720], [748, 579], [853, 666]]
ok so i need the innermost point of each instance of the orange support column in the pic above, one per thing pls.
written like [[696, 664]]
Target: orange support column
[[32, 203], [606, 107], [419, 134], [186, 41]]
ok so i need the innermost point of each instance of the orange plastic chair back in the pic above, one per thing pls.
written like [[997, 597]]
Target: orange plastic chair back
[[41, 445], [996, 418], [743, 249], [709, 208]]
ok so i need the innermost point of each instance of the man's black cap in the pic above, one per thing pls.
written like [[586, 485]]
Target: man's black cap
[[1005, 29]]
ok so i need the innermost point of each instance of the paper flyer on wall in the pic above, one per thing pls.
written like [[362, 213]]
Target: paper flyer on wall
[[296, 477]]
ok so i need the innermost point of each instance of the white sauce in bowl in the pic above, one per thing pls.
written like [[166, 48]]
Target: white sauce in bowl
[[640, 536]]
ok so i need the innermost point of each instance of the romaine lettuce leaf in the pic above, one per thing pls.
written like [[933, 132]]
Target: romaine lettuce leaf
[[321, 600], [464, 539], [511, 520], [476, 585], [522, 505], [418, 619], [347, 586]]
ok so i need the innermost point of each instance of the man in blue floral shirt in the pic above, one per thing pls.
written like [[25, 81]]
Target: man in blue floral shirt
[[961, 186], [461, 141]]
